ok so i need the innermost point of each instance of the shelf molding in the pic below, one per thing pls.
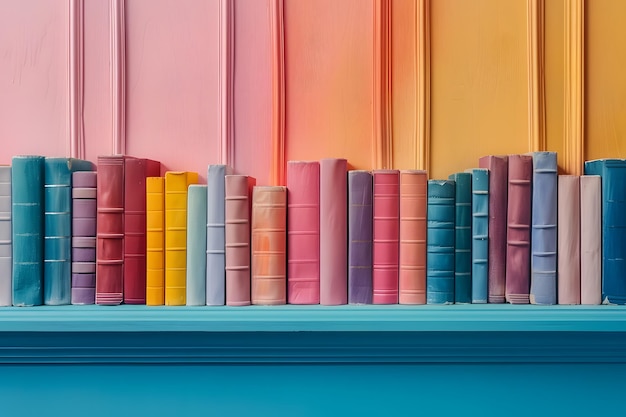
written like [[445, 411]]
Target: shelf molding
[[574, 86]]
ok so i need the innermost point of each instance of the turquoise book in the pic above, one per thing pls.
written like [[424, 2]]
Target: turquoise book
[[27, 196], [57, 259], [463, 238], [440, 246], [480, 235], [613, 183]]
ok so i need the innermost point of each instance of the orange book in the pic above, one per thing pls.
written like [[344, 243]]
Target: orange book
[[155, 241]]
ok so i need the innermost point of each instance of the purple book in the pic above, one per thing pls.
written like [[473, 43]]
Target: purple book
[[84, 211], [359, 237]]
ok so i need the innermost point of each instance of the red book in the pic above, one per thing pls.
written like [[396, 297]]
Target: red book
[[135, 172]]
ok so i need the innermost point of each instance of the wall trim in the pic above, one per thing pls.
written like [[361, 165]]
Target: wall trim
[[226, 77], [536, 75], [382, 151], [277, 25], [422, 66], [574, 86], [76, 79], [118, 76]]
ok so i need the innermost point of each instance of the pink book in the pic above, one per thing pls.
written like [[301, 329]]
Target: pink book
[[333, 231], [386, 236], [568, 250], [238, 189], [303, 232], [412, 275], [590, 239]]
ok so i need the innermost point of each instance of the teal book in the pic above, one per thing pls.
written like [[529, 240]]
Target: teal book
[[480, 235], [463, 238], [440, 236], [57, 262], [27, 196]]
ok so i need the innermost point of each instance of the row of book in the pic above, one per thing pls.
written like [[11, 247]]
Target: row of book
[[512, 230]]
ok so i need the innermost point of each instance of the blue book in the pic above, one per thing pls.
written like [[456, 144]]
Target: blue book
[[440, 247], [216, 235], [463, 238], [196, 245], [544, 228], [6, 261], [480, 235], [613, 178], [360, 234], [58, 227], [27, 180]]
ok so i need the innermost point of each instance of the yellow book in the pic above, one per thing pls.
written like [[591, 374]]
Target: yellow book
[[176, 185], [155, 241]]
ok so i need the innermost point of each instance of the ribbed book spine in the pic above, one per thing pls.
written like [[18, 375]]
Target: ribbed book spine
[[333, 231], [84, 213], [6, 251], [480, 235], [196, 245], [238, 212], [412, 250], [27, 195], [176, 185], [568, 239], [216, 235], [463, 237], [590, 239], [303, 232], [498, 179], [440, 242], [360, 200], [518, 229], [155, 241], [544, 231], [269, 245], [386, 236]]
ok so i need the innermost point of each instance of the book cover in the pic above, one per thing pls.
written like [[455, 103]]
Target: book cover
[[480, 235], [27, 216], [155, 241], [360, 233], [518, 229], [590, 239], [440, 237], [216, 235], [333, 231], [196, 245], [462, 237], [6, 250], [568, 249], [303, 232], [83, 270], [84, 231], [386, 237], [238, 212], [269, 245]]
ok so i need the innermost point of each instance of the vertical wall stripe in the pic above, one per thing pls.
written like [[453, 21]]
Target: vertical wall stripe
[[382, 152], [118, 76], [536, 79], [278, 92], [423, 85], [574, 86], [76, 79], [226, 76]]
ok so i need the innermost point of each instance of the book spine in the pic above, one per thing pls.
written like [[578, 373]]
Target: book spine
[[386, 242], [412, 250], [6, 251], [196, 245], [84, 230], [303, 232], [463, 237], [333, 231], [518, 229], [568, 250], [155, 241], [480, 235], [440, 239], [544, 231], [590, 239], [27, 196], [498, 179], [360, 199], [269, 245], [216, 236], [238, 211]]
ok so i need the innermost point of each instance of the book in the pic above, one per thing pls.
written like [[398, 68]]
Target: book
[[6, 251], [303, 232], [238, 212], [462, 237], [58, 227], [216, 235], [498, 179], [136, 170], [196, 245], [176, 185], [360, 233], [27, 217], [386, 236], [440, 237], [613, 179], [412, 249], [155, 241], [590, 239], [333, 231], [84, 231], [518, 229], [544, 230], [568, 249], [269, 245], [480, 235]]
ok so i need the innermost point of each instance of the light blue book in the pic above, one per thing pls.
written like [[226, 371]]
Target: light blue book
[[440, 237], [196, 245], [6, 259], [480, 235], [215, 235], [463, 238]]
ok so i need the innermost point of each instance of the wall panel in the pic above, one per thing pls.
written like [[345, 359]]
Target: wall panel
[[555, 84]]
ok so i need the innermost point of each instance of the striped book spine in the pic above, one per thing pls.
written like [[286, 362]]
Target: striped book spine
[[155, 241], [440, 242], [84, 212], [6, 260], [480, 235], [360, 237], [463, 237], [196, 245]]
